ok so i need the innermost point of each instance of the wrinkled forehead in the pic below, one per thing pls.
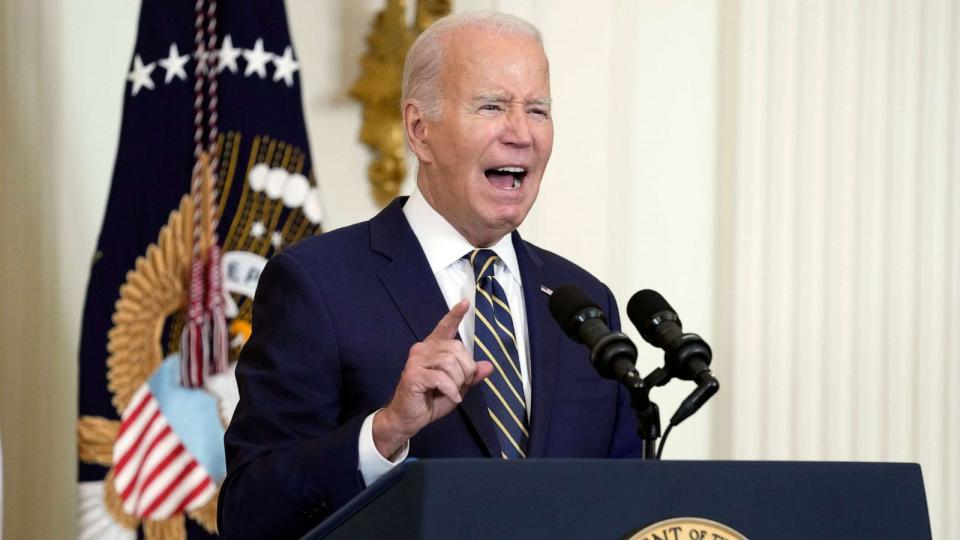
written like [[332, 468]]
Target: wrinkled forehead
[[477, 57], [472, 34]]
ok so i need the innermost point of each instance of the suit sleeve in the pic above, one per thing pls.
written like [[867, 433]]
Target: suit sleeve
[[625, 442], [291, 459]]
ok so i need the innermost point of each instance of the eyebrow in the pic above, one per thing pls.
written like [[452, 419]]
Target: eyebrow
[[545, 102]]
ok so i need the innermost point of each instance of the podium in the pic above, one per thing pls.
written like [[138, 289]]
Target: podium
[[599, 499]]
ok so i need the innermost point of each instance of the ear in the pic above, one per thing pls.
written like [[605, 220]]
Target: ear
[[415, 125]]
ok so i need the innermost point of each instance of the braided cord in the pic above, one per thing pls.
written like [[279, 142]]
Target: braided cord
[[204, 341]]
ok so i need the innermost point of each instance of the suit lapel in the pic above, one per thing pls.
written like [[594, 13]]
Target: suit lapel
[[411, 285], [544, 335]]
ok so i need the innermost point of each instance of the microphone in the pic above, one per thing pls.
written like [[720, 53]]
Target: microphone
[[612, 354], [687, 355]]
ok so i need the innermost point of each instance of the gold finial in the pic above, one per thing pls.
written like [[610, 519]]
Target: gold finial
[[378, 88], [428, 11]]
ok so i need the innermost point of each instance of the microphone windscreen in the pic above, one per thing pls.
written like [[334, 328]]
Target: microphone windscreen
[[644, 305], [565, 302]]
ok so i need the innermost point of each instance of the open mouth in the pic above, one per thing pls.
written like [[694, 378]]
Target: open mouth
[[506, 177]]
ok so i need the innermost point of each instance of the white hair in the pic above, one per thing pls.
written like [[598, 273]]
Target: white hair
[[421, 70]]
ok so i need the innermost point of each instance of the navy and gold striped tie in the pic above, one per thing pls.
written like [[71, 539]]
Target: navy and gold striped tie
[[494, 341]]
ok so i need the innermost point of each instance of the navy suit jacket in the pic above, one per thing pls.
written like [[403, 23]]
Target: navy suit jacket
[[333, 320]]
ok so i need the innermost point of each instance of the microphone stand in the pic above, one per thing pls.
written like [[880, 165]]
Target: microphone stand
[[614, 356], [646, 411]]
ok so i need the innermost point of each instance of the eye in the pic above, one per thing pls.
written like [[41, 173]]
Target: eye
[[491, 107], [538, 111]]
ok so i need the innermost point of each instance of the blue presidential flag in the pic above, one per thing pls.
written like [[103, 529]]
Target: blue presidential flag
[[212, 177]]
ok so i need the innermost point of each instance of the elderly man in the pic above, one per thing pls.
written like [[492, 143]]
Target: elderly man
[[425, 331]]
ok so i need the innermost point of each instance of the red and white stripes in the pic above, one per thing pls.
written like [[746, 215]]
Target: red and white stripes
[[154, 473]]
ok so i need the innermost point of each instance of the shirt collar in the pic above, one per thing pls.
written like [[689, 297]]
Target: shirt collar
[[443, 244]]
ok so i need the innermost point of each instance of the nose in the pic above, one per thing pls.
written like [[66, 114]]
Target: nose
[[517, 132]]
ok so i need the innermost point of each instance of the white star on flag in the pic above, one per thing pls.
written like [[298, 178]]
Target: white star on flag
[[276, 239], [286, 66], [257, 60], [140, 75], [258, 229], [228, 55], [173, 64]]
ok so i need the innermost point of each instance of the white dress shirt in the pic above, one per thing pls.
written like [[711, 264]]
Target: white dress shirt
[[445, 248]]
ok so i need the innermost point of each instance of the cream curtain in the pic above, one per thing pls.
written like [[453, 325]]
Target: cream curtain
[[839, 269]]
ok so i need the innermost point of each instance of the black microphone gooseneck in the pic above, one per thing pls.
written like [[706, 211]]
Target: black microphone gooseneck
[[612, 354], [686, 356]]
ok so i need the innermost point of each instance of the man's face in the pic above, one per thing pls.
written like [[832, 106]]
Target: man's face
[[487, 153]]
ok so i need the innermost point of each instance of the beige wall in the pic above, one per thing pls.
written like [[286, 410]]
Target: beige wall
[[841, 236]]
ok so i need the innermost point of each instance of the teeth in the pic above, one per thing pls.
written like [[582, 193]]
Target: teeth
[[516, 183], [511, 170]]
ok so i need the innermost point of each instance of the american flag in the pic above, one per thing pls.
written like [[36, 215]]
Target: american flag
[[143, 437], [154, 473]]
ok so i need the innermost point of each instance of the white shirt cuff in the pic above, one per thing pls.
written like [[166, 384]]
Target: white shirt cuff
[[372, 464]]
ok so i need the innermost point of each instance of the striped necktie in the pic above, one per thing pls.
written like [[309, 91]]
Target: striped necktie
[[494, 341]]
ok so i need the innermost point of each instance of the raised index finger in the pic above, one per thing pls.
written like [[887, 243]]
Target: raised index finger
[[448, 325]]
